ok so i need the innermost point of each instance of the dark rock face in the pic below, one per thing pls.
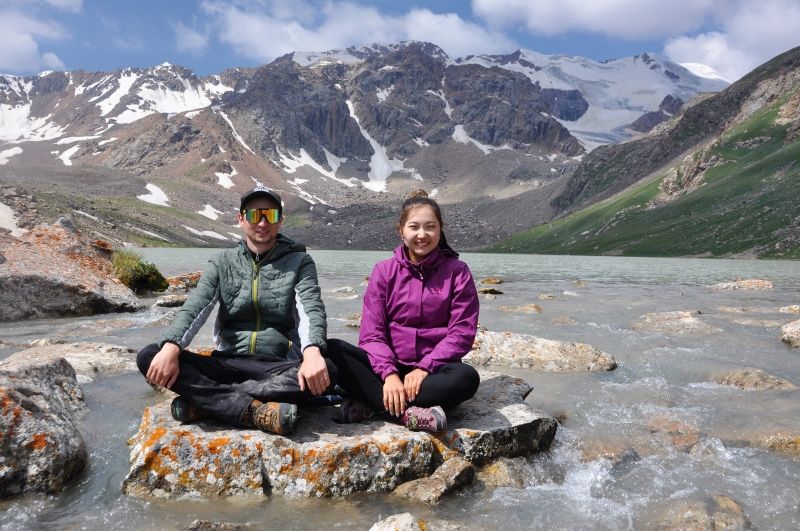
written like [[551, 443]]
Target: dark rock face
[[565, 104], [646, 122], [41, 449]]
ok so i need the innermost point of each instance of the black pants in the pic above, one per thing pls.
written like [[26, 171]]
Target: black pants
[[449, 386], [223, 385]]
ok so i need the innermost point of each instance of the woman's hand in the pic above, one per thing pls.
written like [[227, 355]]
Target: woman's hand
[[394, 395], [413, 382]]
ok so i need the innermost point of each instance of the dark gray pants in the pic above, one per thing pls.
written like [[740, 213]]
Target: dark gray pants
[[223, 385]]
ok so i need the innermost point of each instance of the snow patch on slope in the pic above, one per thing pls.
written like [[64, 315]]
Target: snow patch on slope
[[461, 136], [8, 220], [8, 153], [210, 212], [65, 157], [155, 197], [235, 134], [206, 233], [17, 125]]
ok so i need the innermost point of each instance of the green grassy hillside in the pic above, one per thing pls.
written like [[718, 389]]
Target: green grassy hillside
[[747, 205]]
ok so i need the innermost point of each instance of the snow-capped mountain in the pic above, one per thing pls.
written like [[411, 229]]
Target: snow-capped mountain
[[341, 134]]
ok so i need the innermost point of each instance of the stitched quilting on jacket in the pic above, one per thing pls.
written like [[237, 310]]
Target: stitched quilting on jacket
[[423, 315], [265, 307]]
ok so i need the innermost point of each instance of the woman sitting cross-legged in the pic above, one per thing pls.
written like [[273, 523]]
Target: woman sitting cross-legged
[[419, 319]]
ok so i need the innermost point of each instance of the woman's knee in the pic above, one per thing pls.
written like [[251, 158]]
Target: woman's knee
[[146, 356]]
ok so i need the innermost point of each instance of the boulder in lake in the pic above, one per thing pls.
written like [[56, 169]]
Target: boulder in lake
[[184, 282], [489, 291], [409, 522], [793, 308], [51, 271], [746, 284], [41, 449], [546, 297], [790, 333], [531, 352], [453, 474], [323, 458], [86, 359], [677, 322], [753, 379], [171, 301], [525, 308], [492, 281]]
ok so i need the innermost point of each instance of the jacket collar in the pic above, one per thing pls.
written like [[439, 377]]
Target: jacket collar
[[283, 246], [430, 262]]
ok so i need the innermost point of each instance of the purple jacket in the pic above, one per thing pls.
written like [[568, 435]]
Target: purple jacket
[[422, 315]]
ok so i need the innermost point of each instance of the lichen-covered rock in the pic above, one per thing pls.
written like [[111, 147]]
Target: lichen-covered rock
[[531, 352], [323, 458], [53, 271], [184, 282], [790, 333], [453, 474], [677, 322], [749, 283], [87, 359], [753, 379], [171, 301], [409, 522], [41, 449], [492, 281]]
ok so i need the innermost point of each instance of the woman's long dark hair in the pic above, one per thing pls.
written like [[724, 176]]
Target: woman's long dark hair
[[417, 198]]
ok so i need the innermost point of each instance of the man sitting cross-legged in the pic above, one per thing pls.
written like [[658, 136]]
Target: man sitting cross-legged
[[270, 331]]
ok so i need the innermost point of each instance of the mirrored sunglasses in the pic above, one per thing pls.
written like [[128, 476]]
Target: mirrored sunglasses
[[254, 215]]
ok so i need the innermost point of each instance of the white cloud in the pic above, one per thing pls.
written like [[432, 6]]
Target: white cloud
[[20, 51], [188, 39], [750, 34], [273, 31], [628, 19]]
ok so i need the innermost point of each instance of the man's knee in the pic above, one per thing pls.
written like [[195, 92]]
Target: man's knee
[[333, 371], [146, 356]]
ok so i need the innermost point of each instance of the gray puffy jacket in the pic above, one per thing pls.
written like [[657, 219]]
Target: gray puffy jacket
[[265, 307]]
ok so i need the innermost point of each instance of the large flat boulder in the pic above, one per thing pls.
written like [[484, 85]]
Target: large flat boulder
[[53, 271], [41, 449], [87, 359], [531, 352], [323, 458]]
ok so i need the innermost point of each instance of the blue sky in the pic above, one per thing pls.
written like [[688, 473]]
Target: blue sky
[[731, 36]]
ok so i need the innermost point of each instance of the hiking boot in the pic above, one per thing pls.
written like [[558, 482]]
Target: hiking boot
[[352, 411], [185, 411], [429, 419], [272, 417]]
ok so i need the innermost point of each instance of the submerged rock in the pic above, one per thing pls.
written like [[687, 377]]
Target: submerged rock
[[409, 522], [531, 352], [504, 472], [720, 512], [674, 432], [525, 308], [52, 271], [323, 458], [790, 333], [750, 283], [41, 449], [677, 322], [453, 474], [86, 359], [753, 379]]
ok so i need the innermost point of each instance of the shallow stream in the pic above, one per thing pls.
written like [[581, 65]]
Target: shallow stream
[[659, 376]]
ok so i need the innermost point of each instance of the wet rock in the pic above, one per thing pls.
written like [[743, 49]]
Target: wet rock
[[492, 281], [794, 308], [720, 512], [490, 291], [525, 308], [753, 379], [352, 321], [749, 321], [171, 301], [790, 333], [616, 451], [531, 352], [749, 284], [41, 449], [786, 442], [562, 320], [409, 522], [184, 282], [678, 322], [674, 431], [87, 359], [546, 297], [51, 271], [205, 525], [504, 472], [579, 283], [345, 292], [452, 475], [323, 458]]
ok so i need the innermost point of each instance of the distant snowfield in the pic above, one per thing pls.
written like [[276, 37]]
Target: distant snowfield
[[73, 139], [17, 125], [206, 233], [8, 153], [8, 220], [155, 197], [65, 157]]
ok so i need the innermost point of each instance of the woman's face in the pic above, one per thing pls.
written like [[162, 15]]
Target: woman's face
[[421, 232]]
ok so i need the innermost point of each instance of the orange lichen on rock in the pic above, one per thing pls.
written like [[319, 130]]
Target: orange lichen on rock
[[215, 446], [38, 442]]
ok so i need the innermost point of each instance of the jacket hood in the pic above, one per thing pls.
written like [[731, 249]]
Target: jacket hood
[[283, 246]]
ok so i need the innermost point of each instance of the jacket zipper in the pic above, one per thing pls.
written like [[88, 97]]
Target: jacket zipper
[[254, 334]]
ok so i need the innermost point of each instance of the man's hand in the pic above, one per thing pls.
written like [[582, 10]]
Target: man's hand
[[164, 368], [313, 372], [394, 395], [413, 382]]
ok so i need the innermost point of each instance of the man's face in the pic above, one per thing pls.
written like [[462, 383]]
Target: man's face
[[260, 236]]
